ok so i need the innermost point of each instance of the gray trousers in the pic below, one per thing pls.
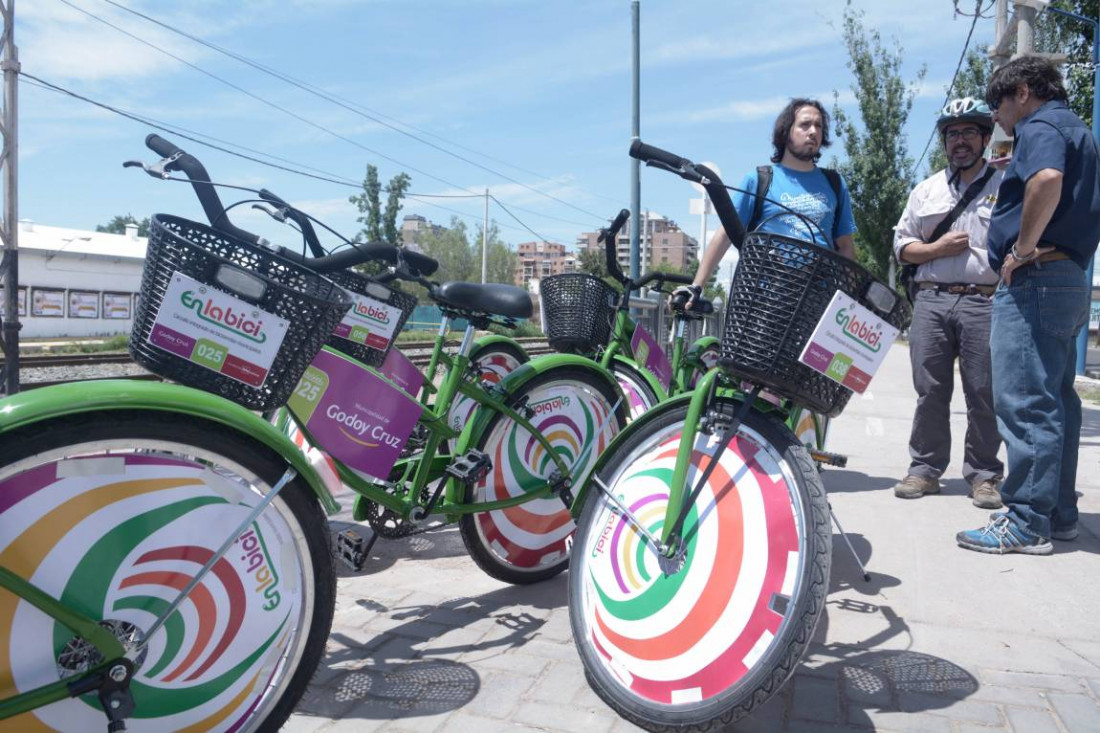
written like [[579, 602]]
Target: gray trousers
[[947, 327]]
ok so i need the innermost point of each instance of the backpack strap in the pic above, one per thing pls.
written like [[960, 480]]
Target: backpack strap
[[834, 182], [763, 183]]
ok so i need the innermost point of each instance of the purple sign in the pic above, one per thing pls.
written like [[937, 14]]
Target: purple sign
[[402, 372], [353, 414], [648, 353]]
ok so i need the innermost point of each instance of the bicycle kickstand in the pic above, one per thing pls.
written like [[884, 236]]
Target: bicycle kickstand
[[862, 570]]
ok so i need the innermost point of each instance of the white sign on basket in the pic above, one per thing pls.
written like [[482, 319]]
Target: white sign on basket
[[849, 343], [369, 322], [217, 330]]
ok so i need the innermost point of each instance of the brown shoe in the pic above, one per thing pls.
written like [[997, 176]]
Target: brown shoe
[[914, 487], [985, 494]]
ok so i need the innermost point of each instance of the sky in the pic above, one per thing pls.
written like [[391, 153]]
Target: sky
[[528, 98]]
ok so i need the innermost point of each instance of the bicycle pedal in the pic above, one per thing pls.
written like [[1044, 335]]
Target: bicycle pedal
[[470, 468], [829, 459], [351, 549]]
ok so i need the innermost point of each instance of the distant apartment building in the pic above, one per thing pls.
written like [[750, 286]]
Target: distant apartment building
[[414, 226], [662, 243], [536, 260]]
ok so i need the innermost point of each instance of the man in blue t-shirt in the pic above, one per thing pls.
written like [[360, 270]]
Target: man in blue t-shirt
[[1042, 234], [810, 207]]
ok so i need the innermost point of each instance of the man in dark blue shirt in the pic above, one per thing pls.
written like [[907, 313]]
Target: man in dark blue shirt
[[1044, 230]]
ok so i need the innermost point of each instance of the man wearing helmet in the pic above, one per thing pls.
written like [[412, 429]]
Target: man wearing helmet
[[1044, 232], [943, 231]]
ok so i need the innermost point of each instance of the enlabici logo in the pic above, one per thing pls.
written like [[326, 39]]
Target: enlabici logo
[[866, 335], [238, 322], [370, 312]]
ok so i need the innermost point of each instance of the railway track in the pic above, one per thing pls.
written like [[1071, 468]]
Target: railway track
[[41, 370]]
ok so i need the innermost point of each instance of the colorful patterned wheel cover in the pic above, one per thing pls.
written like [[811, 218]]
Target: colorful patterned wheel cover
[[492, 367], [697, 633], [630, 385], [535, 534], [119, 537]]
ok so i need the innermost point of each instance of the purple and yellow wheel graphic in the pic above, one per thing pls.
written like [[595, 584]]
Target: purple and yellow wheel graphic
[[118, 537], [572, 416], [492, 367], [696, 633]]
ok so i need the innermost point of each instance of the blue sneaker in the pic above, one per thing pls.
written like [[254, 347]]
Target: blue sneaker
[[1001, 536]]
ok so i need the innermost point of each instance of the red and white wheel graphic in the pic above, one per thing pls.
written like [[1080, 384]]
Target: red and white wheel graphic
[[697, 633]]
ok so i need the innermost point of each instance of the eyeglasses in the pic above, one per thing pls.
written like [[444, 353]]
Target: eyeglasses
[[970, 133]]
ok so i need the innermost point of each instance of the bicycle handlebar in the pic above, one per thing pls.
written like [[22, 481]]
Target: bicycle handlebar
[[610, 237], [189, 165], [700, 174]]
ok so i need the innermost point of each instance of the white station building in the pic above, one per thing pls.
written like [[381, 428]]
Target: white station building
[[76, 283]]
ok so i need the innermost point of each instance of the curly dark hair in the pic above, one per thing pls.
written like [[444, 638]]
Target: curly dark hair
[[1041, 76], [785, 121]]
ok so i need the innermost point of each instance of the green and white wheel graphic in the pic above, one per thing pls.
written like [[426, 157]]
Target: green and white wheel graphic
[[572, 407], [696, 642], [114, 516]]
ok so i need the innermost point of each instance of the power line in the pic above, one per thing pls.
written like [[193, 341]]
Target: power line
[[537, 235], [182, 133], [365, 112], [958, 67]]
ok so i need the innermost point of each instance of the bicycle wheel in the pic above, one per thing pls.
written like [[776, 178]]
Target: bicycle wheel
[[529, 543], [710, 641], [638, 392], [493, 363], [113, 513]]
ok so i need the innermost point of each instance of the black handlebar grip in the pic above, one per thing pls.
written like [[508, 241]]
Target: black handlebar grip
[[423, 264], [609, 237], [160, 146], [612, 230], [670, 277], [648, 153], [359, 253], [678, 300]]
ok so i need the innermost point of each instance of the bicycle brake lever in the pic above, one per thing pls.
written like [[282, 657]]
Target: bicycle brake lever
[[278, 215], [157, 170]]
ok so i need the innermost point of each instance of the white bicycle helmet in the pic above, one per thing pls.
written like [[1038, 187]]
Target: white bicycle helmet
[[966, 109]]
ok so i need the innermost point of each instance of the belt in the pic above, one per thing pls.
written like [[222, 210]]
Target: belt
[[958, 288], [1051, 256]]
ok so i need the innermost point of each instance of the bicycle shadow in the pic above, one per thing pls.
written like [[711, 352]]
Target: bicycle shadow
[[838, 480], [843, 687], [411, 670]]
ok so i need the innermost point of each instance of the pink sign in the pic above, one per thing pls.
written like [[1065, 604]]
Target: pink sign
[[402, 372], [649, 354], [354, 415]]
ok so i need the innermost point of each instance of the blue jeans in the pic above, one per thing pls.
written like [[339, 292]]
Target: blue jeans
[[1034, 353]]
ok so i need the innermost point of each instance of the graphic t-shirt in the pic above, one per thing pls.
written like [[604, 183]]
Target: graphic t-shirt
[[806, 192]]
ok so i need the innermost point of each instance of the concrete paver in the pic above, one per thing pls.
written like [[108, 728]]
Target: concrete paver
[[938, 640]]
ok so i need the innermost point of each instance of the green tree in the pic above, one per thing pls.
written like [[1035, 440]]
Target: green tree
[[592, 261], [501, 260], [878, 171], [117, 225], [1059, 34], [451, 248], [379, 225]]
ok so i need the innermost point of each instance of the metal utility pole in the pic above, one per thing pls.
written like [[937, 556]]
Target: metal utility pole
[[485, 242], [636, 132], [1025, 31], [9, 227]]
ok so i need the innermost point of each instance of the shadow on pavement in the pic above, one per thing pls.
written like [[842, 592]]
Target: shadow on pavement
[[437, 543], [408, 670], [840, 480]]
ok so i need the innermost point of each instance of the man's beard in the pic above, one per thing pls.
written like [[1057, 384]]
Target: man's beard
[[807, 157]]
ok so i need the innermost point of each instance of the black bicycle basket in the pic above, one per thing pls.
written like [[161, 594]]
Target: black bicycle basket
[[308, 303], [781, 288], [363, 285], [578, 311]]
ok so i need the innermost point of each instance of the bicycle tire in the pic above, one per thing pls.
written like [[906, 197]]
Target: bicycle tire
[[637, 391], [529, 543], [706, 645], [135, 501], [493, 362]]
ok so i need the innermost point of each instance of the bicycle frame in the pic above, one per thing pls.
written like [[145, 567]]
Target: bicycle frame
[[410, 476]]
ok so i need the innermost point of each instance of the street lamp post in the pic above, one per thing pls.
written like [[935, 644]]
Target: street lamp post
[[1083, 337]]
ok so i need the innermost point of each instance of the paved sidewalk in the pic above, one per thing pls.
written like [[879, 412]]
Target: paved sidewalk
[[940, 639]]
